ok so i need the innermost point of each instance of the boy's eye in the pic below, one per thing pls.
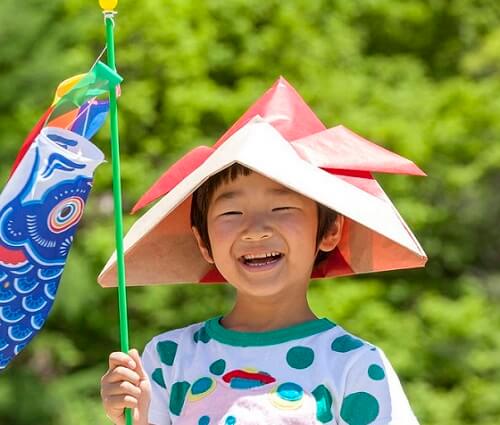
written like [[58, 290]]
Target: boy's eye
[[232, 213], [282, 208]]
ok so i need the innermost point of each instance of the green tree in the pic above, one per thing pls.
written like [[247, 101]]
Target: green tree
[[418, 77]]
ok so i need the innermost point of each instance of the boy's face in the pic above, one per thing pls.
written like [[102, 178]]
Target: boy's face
[[263, 236]]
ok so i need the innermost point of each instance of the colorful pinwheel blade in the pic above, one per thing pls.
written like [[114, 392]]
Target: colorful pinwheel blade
[[78, 92], [76, 106]]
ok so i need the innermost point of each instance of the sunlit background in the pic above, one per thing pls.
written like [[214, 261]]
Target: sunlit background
[[420, 77]]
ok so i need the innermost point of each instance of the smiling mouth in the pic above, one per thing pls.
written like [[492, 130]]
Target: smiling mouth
[[261, 260]]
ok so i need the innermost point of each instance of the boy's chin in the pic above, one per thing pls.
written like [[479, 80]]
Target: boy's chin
[[264, 281], [262, 290], [272, 286]]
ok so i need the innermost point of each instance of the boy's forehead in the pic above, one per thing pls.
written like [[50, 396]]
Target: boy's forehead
[[243, 186]]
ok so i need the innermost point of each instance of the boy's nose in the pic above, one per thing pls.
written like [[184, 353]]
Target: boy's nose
[[256, 232], [256, 235]]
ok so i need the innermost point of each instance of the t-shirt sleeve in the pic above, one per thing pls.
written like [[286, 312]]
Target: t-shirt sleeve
[[373, 394], [158, 409]]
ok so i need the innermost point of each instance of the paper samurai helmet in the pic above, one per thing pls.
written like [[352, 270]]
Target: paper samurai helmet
[[280, 138]]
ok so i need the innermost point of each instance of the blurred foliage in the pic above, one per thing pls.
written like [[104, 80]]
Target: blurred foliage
[[420, 77]]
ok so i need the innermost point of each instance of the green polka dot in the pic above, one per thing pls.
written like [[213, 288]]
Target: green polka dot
[[359, 409], [376, 372], [324, 403], [300, 357], [177, 397], [345, 343], [201, 335], [167, 350], [201, 385], [218, 367], [290, 391], [204, 420], [230, 420], [157, 376]]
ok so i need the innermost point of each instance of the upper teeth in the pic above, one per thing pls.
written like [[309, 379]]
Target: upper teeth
[[267, 254]]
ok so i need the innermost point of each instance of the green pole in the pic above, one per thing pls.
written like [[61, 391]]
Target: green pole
[[117, 194]]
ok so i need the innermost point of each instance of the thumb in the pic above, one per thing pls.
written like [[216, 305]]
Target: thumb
[[142, 409], [138, 363]]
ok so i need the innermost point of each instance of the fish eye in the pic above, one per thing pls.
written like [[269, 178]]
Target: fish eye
[[65, 214]]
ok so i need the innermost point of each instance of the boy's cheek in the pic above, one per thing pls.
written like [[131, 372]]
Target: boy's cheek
[[223, 230]]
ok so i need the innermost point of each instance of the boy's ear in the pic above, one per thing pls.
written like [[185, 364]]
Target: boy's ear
[[201, 245], [332, 236]]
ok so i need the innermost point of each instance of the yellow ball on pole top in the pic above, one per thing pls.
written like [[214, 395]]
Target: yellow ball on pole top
[[108, 4]]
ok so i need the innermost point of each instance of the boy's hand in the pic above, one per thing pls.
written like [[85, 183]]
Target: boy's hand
[[126, 384]]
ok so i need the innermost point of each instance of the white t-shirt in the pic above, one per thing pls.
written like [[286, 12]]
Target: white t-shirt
[[311, 373]]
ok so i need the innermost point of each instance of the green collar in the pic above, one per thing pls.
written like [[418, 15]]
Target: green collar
[[247, 339]]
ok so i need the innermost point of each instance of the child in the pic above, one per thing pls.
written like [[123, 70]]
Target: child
[[266, 220]]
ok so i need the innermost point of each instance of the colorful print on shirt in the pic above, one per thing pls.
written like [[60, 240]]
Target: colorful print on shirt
[[311, 373]]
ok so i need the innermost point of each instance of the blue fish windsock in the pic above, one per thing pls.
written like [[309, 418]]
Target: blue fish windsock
[[40, 208]]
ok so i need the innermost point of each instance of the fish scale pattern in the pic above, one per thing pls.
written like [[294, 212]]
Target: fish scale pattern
[[37, 226]]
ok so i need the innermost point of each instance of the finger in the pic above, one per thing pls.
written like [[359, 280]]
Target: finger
[[134, 354], [121, 373], [120, 388], [121, 359], [116, 403]]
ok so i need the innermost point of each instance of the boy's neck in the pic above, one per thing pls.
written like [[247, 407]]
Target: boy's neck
[[260, 315]]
